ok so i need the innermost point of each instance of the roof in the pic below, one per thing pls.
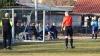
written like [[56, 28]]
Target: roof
[[87, 6], [29, 3]]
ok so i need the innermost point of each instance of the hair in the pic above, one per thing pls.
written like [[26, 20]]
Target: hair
[[66, 13], [6, 14], [94, 18]]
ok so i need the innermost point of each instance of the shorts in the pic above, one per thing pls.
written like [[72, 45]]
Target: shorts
[[95, 30], [68, 31]]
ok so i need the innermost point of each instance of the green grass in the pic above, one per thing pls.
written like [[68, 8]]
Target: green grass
[[54, 48]]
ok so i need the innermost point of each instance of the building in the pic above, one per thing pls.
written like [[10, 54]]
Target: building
[[86, 9]]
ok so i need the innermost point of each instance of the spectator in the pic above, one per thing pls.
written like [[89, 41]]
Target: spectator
[[53, 31], [94, 25], [35, 31], [7, 36]]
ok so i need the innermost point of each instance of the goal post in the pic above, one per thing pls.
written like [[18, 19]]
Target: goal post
[[23, 24]]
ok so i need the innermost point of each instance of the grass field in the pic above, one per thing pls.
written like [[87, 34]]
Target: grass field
[[86, 47]]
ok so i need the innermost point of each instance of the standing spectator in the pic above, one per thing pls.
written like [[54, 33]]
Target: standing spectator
[[7, 36], [67, 26], [94, 25]]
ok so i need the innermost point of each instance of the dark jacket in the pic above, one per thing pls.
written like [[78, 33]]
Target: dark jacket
[[6, 26]]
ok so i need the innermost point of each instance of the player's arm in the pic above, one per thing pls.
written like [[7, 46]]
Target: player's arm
[[63, 26]]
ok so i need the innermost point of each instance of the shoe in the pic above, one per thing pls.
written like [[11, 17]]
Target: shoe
[[9, 48], [66, 47], [72, 47], [95, 37]]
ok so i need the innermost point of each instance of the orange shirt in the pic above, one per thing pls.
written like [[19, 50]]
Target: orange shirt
[[67, 21]]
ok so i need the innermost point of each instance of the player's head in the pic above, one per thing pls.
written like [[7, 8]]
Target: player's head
[[66, 13], [53, 24], [94, 18], [6, 14]]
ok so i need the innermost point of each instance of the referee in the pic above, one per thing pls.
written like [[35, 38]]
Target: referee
[[67, 27]]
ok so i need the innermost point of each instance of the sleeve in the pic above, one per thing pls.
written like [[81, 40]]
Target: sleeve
[[71, 19], [63, 22], [0, 23], [11, 23], [91, 23]]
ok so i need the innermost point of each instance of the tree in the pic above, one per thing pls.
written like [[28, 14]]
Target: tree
[[59, 2]]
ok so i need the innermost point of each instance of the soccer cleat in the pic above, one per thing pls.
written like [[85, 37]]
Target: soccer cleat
[[9, 48], [72, 47]]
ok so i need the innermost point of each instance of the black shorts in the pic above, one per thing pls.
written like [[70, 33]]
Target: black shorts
[[68, 31]]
